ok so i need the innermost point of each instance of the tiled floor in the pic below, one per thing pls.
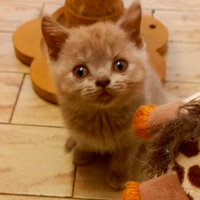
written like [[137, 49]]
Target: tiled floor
[[33, 163]]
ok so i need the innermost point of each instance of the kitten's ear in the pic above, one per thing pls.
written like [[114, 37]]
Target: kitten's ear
[[131, 22], [54, 35]]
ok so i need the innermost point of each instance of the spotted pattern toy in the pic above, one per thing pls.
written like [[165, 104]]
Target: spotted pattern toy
[[173, 151], [187, 167]]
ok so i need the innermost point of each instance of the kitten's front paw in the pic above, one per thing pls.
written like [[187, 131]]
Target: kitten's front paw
[[82, 157], [117, 180]]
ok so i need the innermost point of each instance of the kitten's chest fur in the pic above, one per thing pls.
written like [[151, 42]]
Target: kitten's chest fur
[[102, 130]]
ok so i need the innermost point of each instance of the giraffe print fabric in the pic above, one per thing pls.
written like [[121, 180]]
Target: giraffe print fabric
[[187, 167]]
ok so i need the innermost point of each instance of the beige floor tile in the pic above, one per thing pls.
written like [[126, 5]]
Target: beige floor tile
[[91, 180], [31, 109], [34, 162], [182, 90], [10, 85], [146, 12], [13, 197], [12, 14], [40, 1], [49, 9], [192, 5], [53, 1], [8, 60], [183, 61], [182, 26]]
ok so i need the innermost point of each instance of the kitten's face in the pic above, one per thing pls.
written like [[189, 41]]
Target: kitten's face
[[98, 65]]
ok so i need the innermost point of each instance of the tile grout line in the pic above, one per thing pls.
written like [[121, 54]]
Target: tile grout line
[[2, 31], [182, 82], [182, 42], [74, 181], [36, 2], [173, 10], [20, 87], [31, 125], [42, 9], [48, 197], [13, 72]]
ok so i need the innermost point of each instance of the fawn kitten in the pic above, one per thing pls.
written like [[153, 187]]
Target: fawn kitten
[[102, 76]]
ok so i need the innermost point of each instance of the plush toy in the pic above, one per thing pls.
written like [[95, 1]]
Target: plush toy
[[165, 187], [172, 152]]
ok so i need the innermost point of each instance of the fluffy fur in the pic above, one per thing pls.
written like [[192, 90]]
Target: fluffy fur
[[103, 124]]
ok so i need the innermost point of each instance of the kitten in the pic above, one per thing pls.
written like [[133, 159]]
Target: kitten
[[102, 75]]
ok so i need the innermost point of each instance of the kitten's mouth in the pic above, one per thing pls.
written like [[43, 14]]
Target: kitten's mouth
[[104, 94], [105, 97]]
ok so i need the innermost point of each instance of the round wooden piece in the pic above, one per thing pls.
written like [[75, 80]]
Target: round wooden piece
[[42, 81], [30, 48], [26, 41], [155, 34]]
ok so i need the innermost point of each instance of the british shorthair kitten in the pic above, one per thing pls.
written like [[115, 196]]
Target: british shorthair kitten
[[102, 75]]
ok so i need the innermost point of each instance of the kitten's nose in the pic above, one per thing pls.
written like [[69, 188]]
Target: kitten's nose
[[103, 82]]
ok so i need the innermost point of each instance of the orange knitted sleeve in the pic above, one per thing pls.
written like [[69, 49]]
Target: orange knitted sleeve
[[140, 121]]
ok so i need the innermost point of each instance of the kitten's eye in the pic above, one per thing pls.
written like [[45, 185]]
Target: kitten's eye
[[120, 66], [80, 72]]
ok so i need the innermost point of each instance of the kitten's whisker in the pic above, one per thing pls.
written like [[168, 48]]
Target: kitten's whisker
[[77, 104], [144, 162]]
